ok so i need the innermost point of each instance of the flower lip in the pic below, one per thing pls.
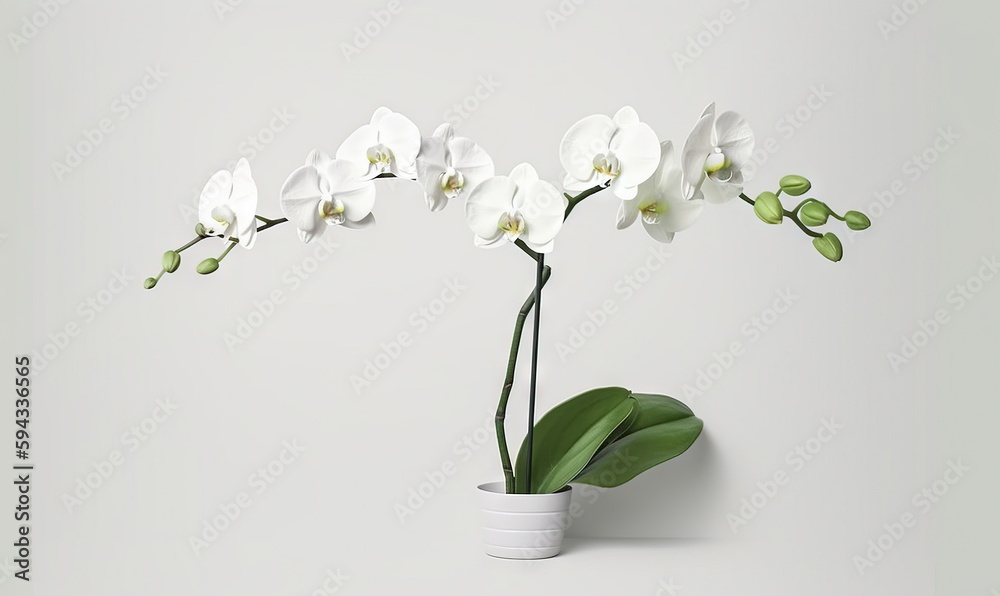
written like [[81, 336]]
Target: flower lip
[[380, 155], [452, 182], [332, 209], [607, 164], [512, 224], [652, 211], [224, 215]]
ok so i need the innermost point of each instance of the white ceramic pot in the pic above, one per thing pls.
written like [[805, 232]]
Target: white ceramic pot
[[523, 526]]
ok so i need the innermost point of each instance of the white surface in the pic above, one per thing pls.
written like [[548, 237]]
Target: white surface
[[334, 505]]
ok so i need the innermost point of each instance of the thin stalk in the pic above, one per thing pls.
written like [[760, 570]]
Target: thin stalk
[[508, 385], [530, 440]]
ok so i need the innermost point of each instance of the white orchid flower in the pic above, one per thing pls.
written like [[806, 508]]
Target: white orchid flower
[[661, 200], [449, 167], [228, 205], [518, 206], [715, 153], [620, 150], [388, 145], [327, 192]]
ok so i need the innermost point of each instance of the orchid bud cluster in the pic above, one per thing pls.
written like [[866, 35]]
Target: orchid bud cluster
[[663, 187]]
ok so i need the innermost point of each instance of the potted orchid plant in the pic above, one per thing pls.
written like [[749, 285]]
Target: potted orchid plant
[[605, 436]]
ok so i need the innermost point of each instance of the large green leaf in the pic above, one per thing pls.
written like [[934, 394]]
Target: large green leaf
[[569, 435], [663, 429]]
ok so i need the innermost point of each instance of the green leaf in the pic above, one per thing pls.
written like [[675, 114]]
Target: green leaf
[[663, 429], [569, 435]]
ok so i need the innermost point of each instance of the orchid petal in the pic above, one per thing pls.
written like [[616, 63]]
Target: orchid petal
[[628, 212], [584, 140], [471, 160], [720, 193], [366, 222], [495, 241], [638, 149], [487, 203], [544, 210], [380, 114], [216, 192], [445, 132], [300, 199], [355, 147], [402, 137], [658, 232], [681, 215], [625, 193], [696, 150], [541, 248], [626, 117], [735, 138]]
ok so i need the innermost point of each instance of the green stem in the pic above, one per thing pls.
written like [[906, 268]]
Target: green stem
[[190, 244], [508, 384], [792, 215], [231, 246]]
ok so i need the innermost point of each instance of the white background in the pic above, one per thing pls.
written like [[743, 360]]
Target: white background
[[888, 92]]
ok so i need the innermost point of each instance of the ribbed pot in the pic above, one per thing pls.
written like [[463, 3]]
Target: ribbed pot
[[523, 526]]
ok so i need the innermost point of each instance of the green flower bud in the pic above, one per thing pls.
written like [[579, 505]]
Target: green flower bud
[[171, 261], [150, 283], [200, 230], [795, 185], [829, 246], [857, 220], [208, 266], [768, 208], [814, 213]]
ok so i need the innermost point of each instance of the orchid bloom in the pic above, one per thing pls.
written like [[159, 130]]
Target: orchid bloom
[[518, 206], [661, 200], [388, 145], [715, 153], [599, 150], [228, 205], [449, 167], [327, 192]]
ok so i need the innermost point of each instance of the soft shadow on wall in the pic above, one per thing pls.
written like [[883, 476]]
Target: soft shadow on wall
[[681, 498]]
